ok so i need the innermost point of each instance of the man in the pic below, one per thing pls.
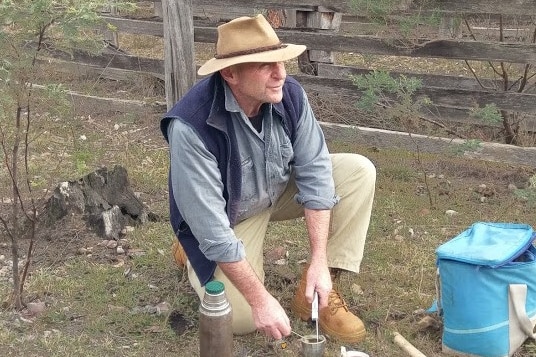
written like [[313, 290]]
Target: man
[[246, 149]]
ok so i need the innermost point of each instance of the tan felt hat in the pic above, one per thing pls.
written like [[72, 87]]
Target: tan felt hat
[[248, 39]]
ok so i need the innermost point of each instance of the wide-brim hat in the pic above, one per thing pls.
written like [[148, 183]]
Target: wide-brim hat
[[248, 39]]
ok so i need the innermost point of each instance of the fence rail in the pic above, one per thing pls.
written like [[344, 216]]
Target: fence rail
[[452, 94]]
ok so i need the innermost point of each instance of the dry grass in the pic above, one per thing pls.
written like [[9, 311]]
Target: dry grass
[[95, 307]]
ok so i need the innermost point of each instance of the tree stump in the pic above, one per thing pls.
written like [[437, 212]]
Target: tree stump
[[103, 198]]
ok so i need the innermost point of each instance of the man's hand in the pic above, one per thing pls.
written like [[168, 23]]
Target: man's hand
[[268, 315], [270, 318], [319, 280]]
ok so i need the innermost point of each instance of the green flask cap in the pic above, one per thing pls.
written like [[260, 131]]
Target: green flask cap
[[214, 287]]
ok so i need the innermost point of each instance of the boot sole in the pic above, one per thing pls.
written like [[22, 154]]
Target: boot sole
[[353, 338]]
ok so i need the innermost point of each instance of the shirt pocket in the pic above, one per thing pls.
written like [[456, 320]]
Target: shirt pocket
[[248, 179], [287, 154]]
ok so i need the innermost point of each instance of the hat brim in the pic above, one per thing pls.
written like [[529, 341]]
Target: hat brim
[[286, 53]]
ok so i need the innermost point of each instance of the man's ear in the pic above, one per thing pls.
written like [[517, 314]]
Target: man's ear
[[229, 75]]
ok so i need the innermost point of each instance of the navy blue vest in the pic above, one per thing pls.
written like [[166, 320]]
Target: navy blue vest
[[203, 107]]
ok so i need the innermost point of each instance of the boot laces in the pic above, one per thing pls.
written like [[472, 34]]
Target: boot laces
[[335, 301]]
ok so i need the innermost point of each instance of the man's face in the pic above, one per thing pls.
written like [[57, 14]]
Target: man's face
[[256, 83]]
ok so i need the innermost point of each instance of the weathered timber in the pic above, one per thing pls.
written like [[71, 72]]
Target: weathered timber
[[505, 7], [516, 32], [450, 97], [118, 60], [103, 199], [332, 5], [511, 7], [378, 138], [441, 48], [449, 49], [179, 55], [153, 27], [427, 80], [83, 104], [93, 71], [465, 97], [216, 13]]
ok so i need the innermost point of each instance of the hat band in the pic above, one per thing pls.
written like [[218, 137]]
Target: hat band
[[252, 51]]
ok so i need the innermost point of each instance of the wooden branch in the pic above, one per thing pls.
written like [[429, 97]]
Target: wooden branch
[[406, 346]]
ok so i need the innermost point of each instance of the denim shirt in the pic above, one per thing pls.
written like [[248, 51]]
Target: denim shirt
[[268, 159]]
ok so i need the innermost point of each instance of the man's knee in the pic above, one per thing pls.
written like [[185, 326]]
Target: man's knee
[[353, 166]]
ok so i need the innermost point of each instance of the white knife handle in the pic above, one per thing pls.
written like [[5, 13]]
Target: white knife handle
[[314, 307]]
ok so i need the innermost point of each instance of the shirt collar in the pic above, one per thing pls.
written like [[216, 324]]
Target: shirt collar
[[231, 105]]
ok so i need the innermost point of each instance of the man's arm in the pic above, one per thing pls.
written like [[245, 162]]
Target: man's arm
[[268, 315], [318, 276]]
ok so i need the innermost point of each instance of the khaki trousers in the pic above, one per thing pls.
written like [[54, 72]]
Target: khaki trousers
[[355, 177]]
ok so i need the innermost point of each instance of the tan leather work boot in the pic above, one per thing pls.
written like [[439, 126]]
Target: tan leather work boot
[[178, 254], [335, 320]]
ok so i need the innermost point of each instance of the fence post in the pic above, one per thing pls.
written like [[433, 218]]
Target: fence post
[[320, 20], [111, 37], [179, 55], [157, 8]]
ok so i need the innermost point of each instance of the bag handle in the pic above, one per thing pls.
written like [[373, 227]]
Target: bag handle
[[518, 298]]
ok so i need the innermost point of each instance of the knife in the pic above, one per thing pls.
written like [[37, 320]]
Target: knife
[[314, 312]]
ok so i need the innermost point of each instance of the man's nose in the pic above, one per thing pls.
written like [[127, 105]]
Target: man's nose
[[279, 70]]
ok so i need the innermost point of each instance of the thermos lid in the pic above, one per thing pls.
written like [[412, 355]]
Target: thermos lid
[[214, 287]]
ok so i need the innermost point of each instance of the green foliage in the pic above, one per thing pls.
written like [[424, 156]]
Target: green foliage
[[469, 145], [376, 9], [29, 31], [382, 11], [488, 114], [379, 87]]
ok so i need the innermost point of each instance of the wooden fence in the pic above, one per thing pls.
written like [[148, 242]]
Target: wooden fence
[[329, 27]]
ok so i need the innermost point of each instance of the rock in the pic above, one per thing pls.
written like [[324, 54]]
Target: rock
[[276, 254], [399, 238], [111, 244], [451, 212], [424, 212], [485, 191], [162, 308], [428, 322], [356, 289], [34, 309]]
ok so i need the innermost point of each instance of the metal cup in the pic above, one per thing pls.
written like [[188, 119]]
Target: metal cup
[[311, 346]]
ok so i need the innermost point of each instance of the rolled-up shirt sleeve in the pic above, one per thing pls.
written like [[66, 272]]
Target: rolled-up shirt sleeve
[[312, 164], [198, 193]]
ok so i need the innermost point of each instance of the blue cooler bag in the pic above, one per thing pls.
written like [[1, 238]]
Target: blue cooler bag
[[487, 289]]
